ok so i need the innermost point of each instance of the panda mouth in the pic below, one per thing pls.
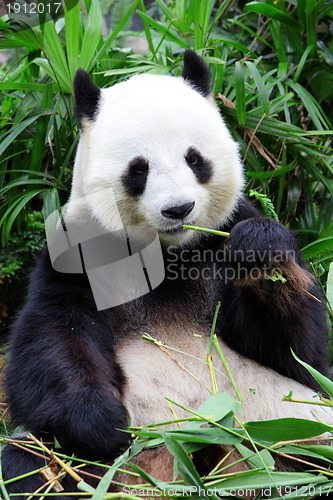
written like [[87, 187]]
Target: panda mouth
[[173, 230]]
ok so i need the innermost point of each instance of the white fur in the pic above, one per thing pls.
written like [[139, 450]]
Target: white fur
[[152, 376], [158, 118]]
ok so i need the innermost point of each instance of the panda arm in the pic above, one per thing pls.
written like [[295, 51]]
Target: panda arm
[[263, 319], [63, 377]]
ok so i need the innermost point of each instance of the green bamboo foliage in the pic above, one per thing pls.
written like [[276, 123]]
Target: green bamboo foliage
[[271, 65], [272, 72]]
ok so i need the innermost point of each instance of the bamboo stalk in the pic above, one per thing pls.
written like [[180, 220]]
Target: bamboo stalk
[[205, 230], [81, 484]]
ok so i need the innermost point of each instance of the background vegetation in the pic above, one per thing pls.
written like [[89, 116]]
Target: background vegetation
[[271, 64]]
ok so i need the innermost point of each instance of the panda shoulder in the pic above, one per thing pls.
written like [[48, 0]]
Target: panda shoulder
[[243, 210]]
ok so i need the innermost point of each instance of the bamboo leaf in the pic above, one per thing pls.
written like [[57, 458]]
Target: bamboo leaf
[[38, 149], [56, 57], [240, 93], [105, 482], [25, 182], [285, 429], [116, 32], [256, 460], [235, 45], [260, 86], [319, 452], [16, 131], [310, 20], [261, 480], [302, 63], [323, 381], [313, 108], [252, 32], [270, 174], [91, 36], [168, 33], [270, 11], [41, 87], [146, 24], [317, 247], [18, 208], [128, 71], [51, 202], [184, 463], [45, 65], [73, 31], [196, 435]]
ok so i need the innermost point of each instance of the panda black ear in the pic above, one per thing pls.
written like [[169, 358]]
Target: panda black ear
[[196, 72], [86, 96]]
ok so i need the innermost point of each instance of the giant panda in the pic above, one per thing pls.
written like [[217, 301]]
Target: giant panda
[[155, 154]]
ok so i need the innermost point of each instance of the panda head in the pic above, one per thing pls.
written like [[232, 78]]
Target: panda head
[[154, 154]]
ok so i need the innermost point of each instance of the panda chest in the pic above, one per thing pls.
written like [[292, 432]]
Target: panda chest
[[171, 365]]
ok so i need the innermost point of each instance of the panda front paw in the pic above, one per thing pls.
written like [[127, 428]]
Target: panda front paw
[[93, 427], [262, 253], [260, 241]]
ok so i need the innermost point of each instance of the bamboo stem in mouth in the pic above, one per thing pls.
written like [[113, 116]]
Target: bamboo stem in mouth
[[205, 230]]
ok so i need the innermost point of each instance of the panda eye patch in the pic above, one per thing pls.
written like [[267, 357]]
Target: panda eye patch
[[192, 157], [135, 177], [139, 166], [200, 166]]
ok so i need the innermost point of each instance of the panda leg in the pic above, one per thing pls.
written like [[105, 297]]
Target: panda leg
[[63, 377], [16, 462], [262, 319]]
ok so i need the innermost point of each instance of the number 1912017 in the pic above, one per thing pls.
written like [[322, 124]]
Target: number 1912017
[[33, 8]]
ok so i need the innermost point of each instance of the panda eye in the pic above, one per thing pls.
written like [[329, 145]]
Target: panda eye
[[139, 166], [135, 176], [201, 167], [193, 157]]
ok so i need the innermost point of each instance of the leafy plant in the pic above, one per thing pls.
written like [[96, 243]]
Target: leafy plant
[[268, 86], [271, 65], [259, 444], [266, 204], [16, 260]]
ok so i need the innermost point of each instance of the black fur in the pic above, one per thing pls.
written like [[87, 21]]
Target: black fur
[[200, 166], [86, 96], [196, 72], [16, 459], [64, 378], [253, 322], [135, 178]]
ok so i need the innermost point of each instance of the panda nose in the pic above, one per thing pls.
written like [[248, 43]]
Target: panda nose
[[179, 211]]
